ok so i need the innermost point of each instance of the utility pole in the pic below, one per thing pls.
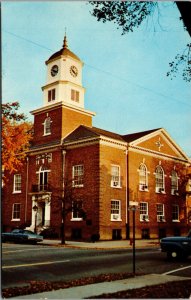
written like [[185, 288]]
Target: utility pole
[[133, 206]]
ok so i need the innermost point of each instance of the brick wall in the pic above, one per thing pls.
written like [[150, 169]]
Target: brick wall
[[63, 122], [87, 156], [111, 156], [153, 198]]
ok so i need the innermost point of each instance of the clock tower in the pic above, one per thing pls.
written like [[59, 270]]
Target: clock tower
[[64, 78], [63, 99]]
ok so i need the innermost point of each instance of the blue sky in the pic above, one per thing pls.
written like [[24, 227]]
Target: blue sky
[[124, 75]]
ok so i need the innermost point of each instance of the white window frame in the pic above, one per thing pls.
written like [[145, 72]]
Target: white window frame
[[143, 177], [47, 126], [175, 210], [17, 184], [174, 183], [115, 176], [16, 211], [115, 210], [78, 175], [43, 186], [144, 209], [160, 212], [159, 180], [77, 218]]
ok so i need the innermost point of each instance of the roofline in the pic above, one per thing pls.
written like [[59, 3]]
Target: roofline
[[62, 104]]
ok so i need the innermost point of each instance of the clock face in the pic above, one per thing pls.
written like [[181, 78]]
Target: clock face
[[54, 70], [73, 71]]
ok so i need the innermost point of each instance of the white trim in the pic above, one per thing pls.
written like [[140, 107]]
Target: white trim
[[114, 183], [159, 155], [14, 184], [116, 216], [167, 138], [95, 140], [13, 206], [65, 105], [76, 219]]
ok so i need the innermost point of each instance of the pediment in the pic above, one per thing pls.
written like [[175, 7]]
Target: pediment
[[160, 142]]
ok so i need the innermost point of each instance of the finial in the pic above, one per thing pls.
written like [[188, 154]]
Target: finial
[[65, 44]]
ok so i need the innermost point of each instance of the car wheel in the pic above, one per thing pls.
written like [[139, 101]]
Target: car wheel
[[173, 255]]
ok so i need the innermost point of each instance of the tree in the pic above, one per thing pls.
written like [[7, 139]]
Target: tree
[[181, 60], [68, 201], [16, 137], [129, 15]]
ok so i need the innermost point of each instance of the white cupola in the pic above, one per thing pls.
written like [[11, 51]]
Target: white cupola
[[64, 78]]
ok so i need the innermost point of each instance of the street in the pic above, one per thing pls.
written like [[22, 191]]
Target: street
[[22, 263]]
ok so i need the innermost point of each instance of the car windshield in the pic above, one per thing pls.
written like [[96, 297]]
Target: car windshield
[[17, 231], [28, 232]]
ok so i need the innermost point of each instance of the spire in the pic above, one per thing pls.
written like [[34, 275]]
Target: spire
[[65, 43]]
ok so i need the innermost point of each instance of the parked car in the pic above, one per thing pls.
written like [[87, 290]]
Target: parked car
[[21, 236], [177, 246]]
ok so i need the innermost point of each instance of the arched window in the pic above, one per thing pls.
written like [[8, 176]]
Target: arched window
[[43, 178], [174, 183], [159, 179], [143, 178], [47, 126]]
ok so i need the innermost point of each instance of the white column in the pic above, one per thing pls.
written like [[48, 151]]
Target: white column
[[47, 213], [33, 214]]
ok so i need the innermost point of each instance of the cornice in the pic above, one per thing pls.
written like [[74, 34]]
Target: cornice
[[61, 82], [102, 140], [167, 138], [65, 56], [42, 149], [62, 104], [156, 154]]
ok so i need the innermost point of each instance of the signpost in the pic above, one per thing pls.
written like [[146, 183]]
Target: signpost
[[133, 206]]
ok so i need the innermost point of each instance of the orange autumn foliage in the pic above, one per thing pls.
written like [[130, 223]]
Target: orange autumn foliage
[[16, 137]]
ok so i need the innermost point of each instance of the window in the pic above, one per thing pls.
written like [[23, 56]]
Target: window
[[175, 213], [75, 95], [47, 126], [174, 183], [160, 212], [115, 210], [143, 178], [144, 211], [77, 212], [51, 95], [43, 179], [17, 183], [159, 179], [78, 176], [115, 176], [16, 213]]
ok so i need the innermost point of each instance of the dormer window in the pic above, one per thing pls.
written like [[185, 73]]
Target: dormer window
[[47, 126], [51, 95]]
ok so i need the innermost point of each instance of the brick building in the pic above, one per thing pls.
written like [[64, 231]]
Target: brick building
[[75, 167]]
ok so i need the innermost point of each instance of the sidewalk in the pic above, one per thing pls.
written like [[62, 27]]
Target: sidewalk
[[92, 290], [104, 244]]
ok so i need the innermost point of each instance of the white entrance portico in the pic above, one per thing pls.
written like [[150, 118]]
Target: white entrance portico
[[40, 211]]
